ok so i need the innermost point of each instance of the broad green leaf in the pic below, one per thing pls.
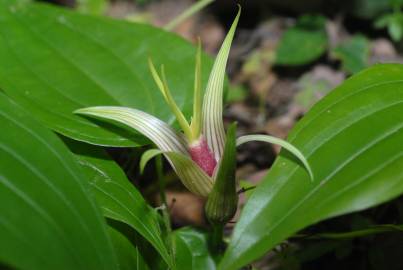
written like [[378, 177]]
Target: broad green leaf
[[54, 61], [192, 250], [303, 43], [117, 197], [129, 256], [353, 54], [352, 140], [47, 219]]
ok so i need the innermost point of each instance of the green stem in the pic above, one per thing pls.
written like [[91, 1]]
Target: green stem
[[217, 238], [187, 13], [243, 190], [161, 179], [164, 209]]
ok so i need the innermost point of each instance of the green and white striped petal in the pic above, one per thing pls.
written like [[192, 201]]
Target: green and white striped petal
[[213, 126], [194, 179], [270, 139], [159, 132]]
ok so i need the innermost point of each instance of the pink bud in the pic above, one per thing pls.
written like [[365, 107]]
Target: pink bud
[[203, 156]]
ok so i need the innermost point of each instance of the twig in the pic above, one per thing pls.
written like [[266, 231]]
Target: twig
[[187, 13], [242, 190]]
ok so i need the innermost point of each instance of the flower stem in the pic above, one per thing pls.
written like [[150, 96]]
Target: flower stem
[[164, 209], [216, 243], [187, 13], [161, 179]]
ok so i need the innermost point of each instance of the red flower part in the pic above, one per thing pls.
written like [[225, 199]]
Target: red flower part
[[203, 156]]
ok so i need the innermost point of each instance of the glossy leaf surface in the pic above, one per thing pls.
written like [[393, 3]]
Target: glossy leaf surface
[[55, 61], [192, 250], [352, 140], [117, 197], [129, 256], [47, 218]]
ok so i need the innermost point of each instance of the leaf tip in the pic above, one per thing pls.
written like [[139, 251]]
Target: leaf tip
[[310, 172], [239, 7], [82, 110]]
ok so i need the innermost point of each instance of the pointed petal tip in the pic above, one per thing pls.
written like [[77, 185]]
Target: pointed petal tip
[[147, 156], [86, 110], [213, 126], [80, 111], [284, 144]]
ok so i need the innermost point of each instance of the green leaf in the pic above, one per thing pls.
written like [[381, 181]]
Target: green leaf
[[117, 197], [394, 23], [192, 250], [369, 9], [47, 218], [353, 54], [129, 256], [395, 28], [352, 140], [54, 61], [303, 43]]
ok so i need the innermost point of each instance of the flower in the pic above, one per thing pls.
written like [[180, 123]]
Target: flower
[[196, 155]]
